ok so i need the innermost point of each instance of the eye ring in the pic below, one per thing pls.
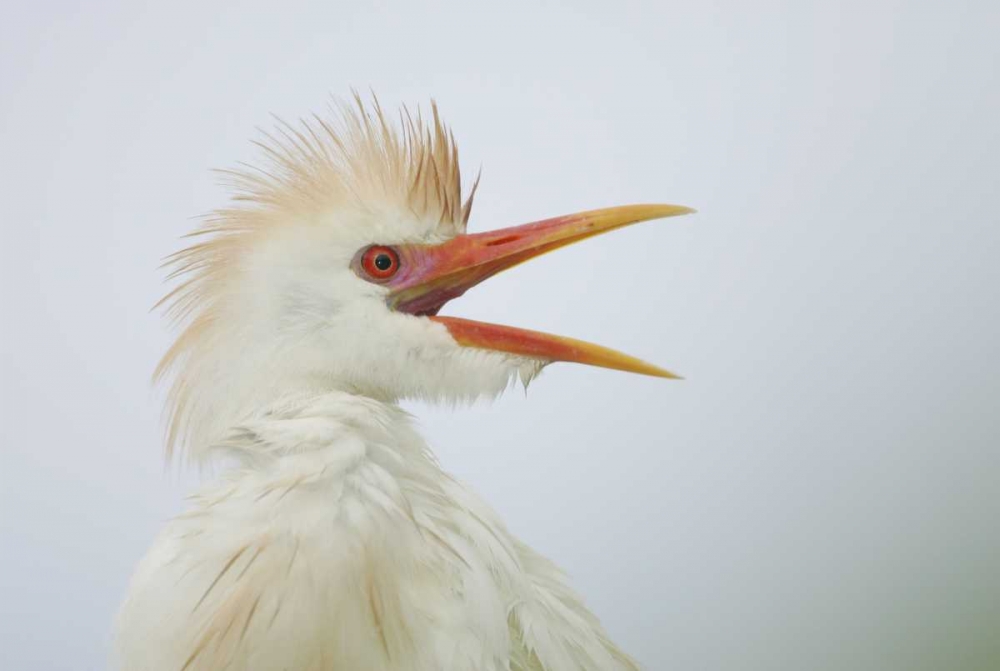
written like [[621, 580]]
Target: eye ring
[[380, 262]]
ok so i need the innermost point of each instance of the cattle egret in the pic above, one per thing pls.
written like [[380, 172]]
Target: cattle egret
[[332, 540]]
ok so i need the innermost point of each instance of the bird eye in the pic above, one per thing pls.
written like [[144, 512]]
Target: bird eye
[[380, 262]]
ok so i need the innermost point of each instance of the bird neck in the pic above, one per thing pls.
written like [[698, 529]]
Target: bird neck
[[327, 422]]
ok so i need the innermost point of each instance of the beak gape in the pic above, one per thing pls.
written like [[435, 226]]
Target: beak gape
[[431, 275]]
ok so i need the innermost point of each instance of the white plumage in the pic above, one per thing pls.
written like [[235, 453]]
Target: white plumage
[[333, 540]]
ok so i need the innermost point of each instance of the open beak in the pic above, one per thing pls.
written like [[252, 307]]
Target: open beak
[[431, 275]]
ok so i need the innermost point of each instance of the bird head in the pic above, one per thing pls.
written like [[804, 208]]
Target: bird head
[[329, 268]]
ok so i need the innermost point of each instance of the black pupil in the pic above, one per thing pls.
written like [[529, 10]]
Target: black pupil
[[383, 262]]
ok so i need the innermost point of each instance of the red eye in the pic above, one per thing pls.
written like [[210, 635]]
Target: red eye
[[379, 262]]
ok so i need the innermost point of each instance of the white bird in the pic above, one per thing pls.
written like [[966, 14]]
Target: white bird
[[333, 540]]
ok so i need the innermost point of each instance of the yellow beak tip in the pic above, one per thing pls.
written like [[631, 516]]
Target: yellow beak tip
[[673, 210]]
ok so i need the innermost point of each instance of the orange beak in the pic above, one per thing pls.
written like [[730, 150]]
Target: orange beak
[[431, 275]]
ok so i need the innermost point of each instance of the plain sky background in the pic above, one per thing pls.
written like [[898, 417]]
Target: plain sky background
[[820, 493]]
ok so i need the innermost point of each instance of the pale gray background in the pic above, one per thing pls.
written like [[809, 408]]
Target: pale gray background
[[821, 493]]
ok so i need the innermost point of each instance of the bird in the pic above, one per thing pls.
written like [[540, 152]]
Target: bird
[[328, 537]]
